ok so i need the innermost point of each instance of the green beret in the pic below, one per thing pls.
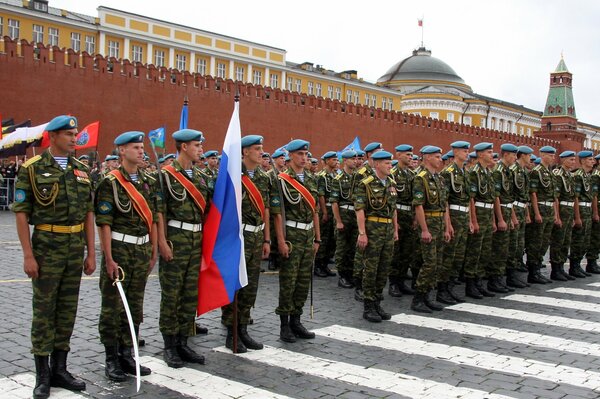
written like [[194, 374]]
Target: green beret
[[62, 122]]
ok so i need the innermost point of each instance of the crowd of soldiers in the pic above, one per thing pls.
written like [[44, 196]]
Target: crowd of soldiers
[[436, 217]]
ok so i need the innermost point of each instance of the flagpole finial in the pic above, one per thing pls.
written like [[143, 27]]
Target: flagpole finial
[[237, 93], [185, 100]]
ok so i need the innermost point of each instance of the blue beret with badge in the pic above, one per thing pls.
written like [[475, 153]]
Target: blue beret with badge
[[483, 146], [567, 154], [211, 153], [585, 154], [404, 148], [360, 153], [508, 147], [277, 154], [329, 154], [297, 145], [547, 149], [373, 146], [349, 154], [161, 160], [473, 155], [523, 149], [252, 139], [111, 158], [266, 155], [314, 161], [462, 145], [62, 122], [431, 149], [129, 137], [382, 156], [169, 156], [185, 135]]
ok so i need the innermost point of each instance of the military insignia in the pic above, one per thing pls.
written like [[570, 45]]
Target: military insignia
[[80, 173], [72, 122], [419, 195], [275, 201], [20, 195], [498, 186], [46, 174], [104, 207]]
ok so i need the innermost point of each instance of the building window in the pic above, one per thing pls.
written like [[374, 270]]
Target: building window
[[383, 103], [319, 92], [274, 80], [221, 69], [338, 93], [113, 48], [90, 44], [290, 83], [373, 100], [501, 125], [467, 120], [76, 41], [434, 115], [348, 96], [181, 61], [53, 38], [201, 66], [136, 53], [521, 130], [13, 28], [330, 91], [482, 122], [529, 132], [298, 85], [1, 26], [257, 77], [391, 104], [366, 99], [311, 88], [38, 33], [356, 97], [450, 117], [39, 6], [159, 58], [239, 73]]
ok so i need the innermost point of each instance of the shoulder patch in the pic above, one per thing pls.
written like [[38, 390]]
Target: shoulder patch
[[450, 168], [20, 195], [367, 180], [31, 161], [104, 207]]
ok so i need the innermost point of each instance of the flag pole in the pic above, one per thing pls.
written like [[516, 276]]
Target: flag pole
[[235, 297]]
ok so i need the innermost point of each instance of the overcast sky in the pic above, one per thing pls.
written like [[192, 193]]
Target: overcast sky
[[502, 49]]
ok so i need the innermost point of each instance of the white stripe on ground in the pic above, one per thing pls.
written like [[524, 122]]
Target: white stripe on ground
[[550, 301], [21, 386], [594, 285], [513, 314], [576, 291], [199, 384], [383, 380], [467, 357]]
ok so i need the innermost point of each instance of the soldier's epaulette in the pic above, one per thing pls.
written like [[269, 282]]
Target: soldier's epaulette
[[110, 176], [338, 176], [148, 176], [422, 173], [476, 168], [449, 168], [558, 172], [367, 179], [392, 179], [513, 167], [579, 172], [499, 167], [31, 161], [321, 173], [362, 170], [537, 167]]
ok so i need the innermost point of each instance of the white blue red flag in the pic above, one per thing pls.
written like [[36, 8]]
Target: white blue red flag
[[223, 269]]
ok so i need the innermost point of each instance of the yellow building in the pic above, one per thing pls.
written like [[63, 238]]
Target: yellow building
[[420, 84]]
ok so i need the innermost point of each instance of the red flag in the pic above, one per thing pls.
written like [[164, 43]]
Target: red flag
[[88, 137], [420, 22], [45, 143]]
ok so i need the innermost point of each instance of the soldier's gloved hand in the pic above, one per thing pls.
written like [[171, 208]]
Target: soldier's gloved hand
[[283, 248], [31, 267], [112, 269], [89, 265]]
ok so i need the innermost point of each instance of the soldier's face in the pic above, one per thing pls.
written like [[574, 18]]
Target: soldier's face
[[168, 162], [404, 158], [588, 163], [435, 160], [191, 149], [280, 161], [569, 163], [299, 158], [384, 166], [133, 153], [212, 161], [509, 158], [350, 163], [547, 158], [486, 157], [460, 155], [265, 162], [254, 154], [64, 140], [359, 161]]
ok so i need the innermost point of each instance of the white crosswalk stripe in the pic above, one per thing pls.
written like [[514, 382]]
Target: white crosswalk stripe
[[21, 386], [373, 378], [594, 285], [555, 302], [576, 291]]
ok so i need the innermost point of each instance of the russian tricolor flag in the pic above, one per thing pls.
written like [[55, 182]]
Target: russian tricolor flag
[[223, 269]]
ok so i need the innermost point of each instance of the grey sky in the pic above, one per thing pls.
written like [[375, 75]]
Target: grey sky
[[502, 49]]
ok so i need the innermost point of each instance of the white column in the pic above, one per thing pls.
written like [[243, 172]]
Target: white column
[[283, 80], [213, 67], [171, 58], [250, 80], [193, 62], [267, 77], [102, 45], [231, 69], [126, 52], [150, 54]]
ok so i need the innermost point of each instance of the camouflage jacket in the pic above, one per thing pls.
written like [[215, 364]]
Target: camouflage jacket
[[503, 187], [584, 186], [542, 183], [376, 197], [429, 191], [455, 179], [565, 184], [324, 184], [176, 203], [250, 215], [404, 178], [520, 183], [296, 208], [341, 188], [481, 184]]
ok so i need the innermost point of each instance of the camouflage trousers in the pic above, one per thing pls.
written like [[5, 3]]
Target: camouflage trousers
[[539, 239], [560, 238], [404, 248], [594, 246], [496, 266], [179, 283], [377, 257], [56, 290], [296, 272], [246, 296], [327, 247], [432, 253], [345, 246], [517, 240], [454, 251], [580, 241], [479, 244], [134, 260]]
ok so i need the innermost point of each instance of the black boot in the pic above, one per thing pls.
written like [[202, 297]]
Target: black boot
[[592, 267], [574, 269], [286, 334], [358, 291], [42, 377], [555, 274], [452, 293], [566, 275], [494, 286], [394, 288], [113, 369], [186, 353], [481, 288], [127, 361], [443, 296], [384, 315], [521, 267], [241, 348], [170, 353], [370, 313], [513, 280], [201, 329], [248, 341], [61, 378], [456, 281], [583, 271], [430, 302], [534, 276], [540, 275], [418, 303], [471, 289], [298, 329], [404, 288], [319, 272], [500, 281], [344, 282], [327, 270]]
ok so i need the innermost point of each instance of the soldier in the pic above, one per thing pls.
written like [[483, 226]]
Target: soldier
[[505, 218], [460, 216], [212, 164], [54, 194], [345, 219], [375, 206], [584, 195], [278, 158], [168, 159], [84, 159], [126, 206], [360, 158], [257, 241], [324, 184], [594, 246], [300, 241], [185, 197], [405, 246], [543, 192], [481, 188], [265, 163]]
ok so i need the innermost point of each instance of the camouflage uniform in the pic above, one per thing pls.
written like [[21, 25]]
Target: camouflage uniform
[[594, 246], [585, 192], [327, 247], [502, 177], [50, 195], [561, 236], [365, 171], [345, 247], [520, 182]]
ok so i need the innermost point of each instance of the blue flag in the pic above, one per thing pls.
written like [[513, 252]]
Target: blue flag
[[354, 145], [183, 122], [157, 136]]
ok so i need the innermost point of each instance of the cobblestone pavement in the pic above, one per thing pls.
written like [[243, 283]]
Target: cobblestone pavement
[[541, 342]]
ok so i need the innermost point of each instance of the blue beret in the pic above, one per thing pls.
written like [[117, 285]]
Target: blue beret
[[423, 149], [251, 139], [265, 155], [161, 159], [597, 156], [287, 157], [62, 122], [537, 161], [360, 153], [548, 149], [211, 153], [129, 137], [111, 158], [523, 149], [394, 162], [83, 157], [314, 160], [449, 154], [404, 148], [431, 149], [185, 135], [585, 154], [373, 146], [349, 154], [465, 145], [483, 146], [567, 154], [329, 154], [277, 154], [415, 157], [495, 155], [507, 147], [472, 155], [382, 155], [533, 157], [146, 157], [297, 145], [169, 156], [445, 157]]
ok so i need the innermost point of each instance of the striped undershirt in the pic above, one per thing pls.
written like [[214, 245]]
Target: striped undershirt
[[251, 173], [134, 177], [189, 173], [301, 177], [62, 162]]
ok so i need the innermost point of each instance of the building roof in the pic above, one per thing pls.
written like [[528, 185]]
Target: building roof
[[53, 11], [561, 67]]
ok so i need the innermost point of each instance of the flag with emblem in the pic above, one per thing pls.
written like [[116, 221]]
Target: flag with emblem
[[157, 137], [88, 136]]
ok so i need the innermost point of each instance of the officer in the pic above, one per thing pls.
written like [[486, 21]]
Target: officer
[[53, 193], [212, 164], [481, 188], [324, 185], [505, 218], [460, 216], [375, 206], [429, 200], [126, 206], [185, 202], [404, 247], [543, 192], [298, 243], [257, 241], [345, 219]]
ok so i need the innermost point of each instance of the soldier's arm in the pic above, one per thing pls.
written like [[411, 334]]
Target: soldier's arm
[[30, 265], [363, 239], [323, 206], [420, 217], [90, 240]]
